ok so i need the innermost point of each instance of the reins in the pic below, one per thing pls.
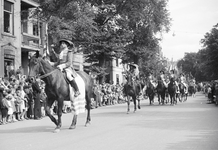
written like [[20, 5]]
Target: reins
[[47, 74]]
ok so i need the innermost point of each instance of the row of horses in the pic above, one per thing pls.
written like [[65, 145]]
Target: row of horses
[[166, 94], [169, 94], [58, 89]]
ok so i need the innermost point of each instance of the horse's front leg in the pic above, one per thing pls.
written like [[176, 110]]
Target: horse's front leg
[[48, 112], [128, 103], [59, 113], [134, 102], [73, 124], [139, 106]]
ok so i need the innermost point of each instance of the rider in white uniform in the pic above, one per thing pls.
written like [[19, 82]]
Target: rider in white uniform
[[183, 81], [151, 79], [173, 78]]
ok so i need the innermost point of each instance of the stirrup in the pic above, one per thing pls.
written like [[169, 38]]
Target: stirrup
[[77, 93]]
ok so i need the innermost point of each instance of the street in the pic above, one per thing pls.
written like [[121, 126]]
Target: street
[[191, 125]]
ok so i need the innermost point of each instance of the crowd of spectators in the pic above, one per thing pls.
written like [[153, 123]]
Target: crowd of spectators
[[210, 90], [107, 94], [21, 99], [24, 99]]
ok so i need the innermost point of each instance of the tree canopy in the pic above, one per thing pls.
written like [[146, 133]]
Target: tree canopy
[[105, 29], [203, 64]]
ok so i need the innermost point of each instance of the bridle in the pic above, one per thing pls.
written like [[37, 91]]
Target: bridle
[[44, 74]]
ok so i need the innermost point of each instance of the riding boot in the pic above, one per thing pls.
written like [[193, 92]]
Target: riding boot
[[74, 85]]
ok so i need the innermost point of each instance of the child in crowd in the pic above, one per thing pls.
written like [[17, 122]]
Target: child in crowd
[[4, 109], [10, 108], [43, 98], [19, 104]]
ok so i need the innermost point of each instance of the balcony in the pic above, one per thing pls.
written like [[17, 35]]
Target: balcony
[[30, 27], [31, 42]]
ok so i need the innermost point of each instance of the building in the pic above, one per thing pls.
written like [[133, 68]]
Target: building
[[20, 35], [115, 70]]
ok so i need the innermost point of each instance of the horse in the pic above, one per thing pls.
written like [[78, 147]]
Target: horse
[[182, 92], [161, 89], [150, 91], [192, 89], [172, 92], [132, 89], [57, 88]]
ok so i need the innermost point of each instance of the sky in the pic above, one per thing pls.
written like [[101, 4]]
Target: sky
[[191, 20]]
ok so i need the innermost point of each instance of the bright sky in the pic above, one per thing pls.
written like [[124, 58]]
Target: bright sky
[[191, 19]]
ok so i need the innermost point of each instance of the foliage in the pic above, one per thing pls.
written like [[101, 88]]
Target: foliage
[[208, 55], [203, 64], [104, 29]]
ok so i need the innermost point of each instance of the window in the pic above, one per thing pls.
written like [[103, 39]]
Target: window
[[35, 28], [8, 17], [117, 79], [117, 62]]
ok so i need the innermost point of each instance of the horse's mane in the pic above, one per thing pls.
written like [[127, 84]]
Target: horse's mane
[[46, 63]]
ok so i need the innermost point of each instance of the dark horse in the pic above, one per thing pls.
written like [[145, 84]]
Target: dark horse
[[192, 89], [57, 88], [172, 92], [150, 92], [182, 93], [132, 89], [161, 92]]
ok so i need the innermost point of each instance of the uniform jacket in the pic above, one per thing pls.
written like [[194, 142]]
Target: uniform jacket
[[65, 59]]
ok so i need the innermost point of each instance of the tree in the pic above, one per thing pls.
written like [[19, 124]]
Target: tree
[[105, 29], [208, 55]]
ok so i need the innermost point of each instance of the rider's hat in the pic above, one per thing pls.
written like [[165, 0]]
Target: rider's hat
[[172, 71], [134, 65], [150, 73], [68, 42], [162, 71]]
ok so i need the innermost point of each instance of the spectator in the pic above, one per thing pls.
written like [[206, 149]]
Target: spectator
[[4, 110], [1, 103], [36, 98], [9, 97], [97, 95], [24, 101], [18, 103], [30, 102], [209, 91], [43, 98], [12, 110]]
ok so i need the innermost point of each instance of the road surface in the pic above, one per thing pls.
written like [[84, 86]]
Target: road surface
[[192, 125]]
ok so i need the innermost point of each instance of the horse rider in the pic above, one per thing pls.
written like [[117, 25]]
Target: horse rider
[[162, 78], [173, 78], [64, 62], [151, 79], [183, 81], [134, 71]]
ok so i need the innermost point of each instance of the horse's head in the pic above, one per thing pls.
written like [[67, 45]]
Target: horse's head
[[34, 66]]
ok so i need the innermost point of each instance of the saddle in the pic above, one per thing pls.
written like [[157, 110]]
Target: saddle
[[71, 70]]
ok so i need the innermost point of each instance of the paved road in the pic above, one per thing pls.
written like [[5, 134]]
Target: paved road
[[192, 125]]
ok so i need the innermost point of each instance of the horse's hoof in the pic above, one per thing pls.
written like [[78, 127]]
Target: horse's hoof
[[72, 127], [57, 130], [87, 123], [139, 107]]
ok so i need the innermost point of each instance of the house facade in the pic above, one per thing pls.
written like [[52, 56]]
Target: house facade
[[21, 36], [115, 70]]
